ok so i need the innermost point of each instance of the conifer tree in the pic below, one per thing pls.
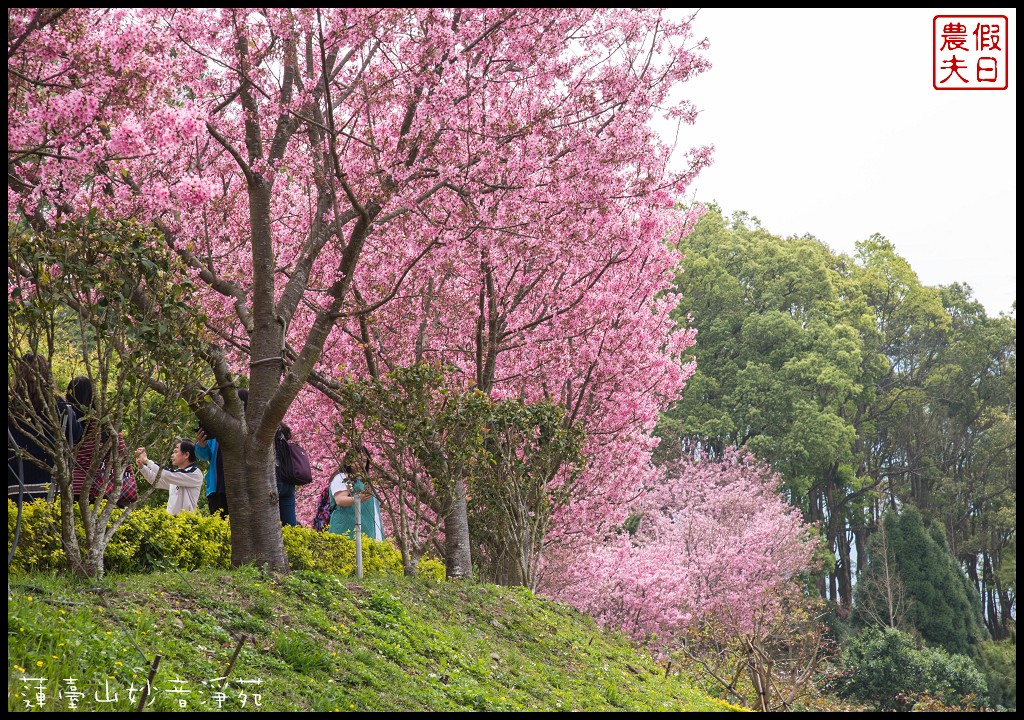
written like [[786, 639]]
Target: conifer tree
[[942, 604]]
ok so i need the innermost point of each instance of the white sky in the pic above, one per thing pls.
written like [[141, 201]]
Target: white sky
[[826, 122]]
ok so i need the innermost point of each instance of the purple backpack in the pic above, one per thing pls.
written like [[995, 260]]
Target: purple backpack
[[292, 462]]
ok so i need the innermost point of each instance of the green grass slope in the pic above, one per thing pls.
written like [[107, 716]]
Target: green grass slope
[[314, 642]]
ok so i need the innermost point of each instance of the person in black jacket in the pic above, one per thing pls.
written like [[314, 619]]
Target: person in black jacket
[[31, 438], [285, 492]]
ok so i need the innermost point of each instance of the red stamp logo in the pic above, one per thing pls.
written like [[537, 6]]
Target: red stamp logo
[[970, 52]]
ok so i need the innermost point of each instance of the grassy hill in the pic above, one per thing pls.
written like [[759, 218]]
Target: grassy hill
[[315, 642]]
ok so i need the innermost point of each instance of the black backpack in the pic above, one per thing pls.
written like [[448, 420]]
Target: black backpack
[[292, 462]]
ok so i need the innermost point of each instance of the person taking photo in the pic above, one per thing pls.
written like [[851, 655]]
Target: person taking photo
[[182, 478]]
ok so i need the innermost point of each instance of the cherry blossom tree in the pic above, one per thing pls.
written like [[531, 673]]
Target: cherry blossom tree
[[310, 165], [588, 331], [712, 541]]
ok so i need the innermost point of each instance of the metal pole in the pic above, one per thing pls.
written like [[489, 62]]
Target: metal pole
[[359, 531]]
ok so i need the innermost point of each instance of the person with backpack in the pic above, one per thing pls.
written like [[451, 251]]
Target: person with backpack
[[80, 397], [324, 506], [343, 514], [282, 468], [30, 442]]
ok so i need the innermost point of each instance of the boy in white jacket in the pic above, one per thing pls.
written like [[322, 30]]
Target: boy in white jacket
[[182, 479]]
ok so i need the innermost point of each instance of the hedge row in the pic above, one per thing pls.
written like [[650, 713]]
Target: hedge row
[[151, 539]]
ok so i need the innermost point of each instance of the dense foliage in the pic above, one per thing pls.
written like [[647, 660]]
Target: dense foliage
[[885, 668], [998, 660]]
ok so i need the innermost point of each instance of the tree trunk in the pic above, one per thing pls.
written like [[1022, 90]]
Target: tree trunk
[[860, 537], [255, 516], [410, 569], [458, 561], [68, 535], [844, 570], [512, 566], [94, 557], [1007, 609], [815, 515]]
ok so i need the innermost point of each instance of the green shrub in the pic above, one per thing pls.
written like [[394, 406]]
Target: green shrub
[[150, 539], [998, 660], [39, 546], [432, 569], [886, 669], [141, 542], [202, 541], [308, 549]]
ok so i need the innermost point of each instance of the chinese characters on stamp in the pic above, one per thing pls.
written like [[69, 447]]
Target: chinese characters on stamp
[[970, 52]]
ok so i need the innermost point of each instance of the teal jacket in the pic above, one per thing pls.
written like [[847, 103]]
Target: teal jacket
[[209, 453]]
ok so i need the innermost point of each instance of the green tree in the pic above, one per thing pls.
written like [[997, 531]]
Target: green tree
[[533, 456], [787, 362], [863, 387], [69, 290], [972, 407], [428, 434], [437, 440], [944, 421]]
